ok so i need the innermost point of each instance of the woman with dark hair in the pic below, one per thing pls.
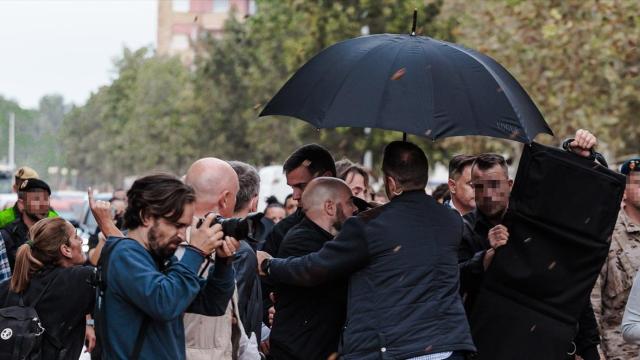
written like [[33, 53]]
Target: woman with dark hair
[[275, 210], [48, 266]]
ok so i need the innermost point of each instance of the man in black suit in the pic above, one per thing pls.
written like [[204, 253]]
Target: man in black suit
[[308, 320], [484, 233], [402, 263]]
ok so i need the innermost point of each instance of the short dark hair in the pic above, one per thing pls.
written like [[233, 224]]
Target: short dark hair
[[249, 181], [488, 160], [344, 167], [441, 192], [272, 202], [319, 160], [287, 198], [407, 164], [160, 196], [458, 163]]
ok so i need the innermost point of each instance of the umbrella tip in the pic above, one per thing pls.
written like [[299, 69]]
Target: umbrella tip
[[415, 20]]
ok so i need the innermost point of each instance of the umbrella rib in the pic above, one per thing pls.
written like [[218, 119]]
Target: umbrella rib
[[465, 88], [498, 80], [333, 99], [432, 125], [386, 84]]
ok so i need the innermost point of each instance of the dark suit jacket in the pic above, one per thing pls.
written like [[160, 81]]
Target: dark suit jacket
[[308, 320]]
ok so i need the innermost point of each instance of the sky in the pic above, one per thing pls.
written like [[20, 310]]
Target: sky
[[67, 47]]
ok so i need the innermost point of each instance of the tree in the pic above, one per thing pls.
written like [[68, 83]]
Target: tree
[[238, 74], [134, 125], [579, 61]]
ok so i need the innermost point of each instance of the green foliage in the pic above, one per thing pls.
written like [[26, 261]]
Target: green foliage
[[138, 123], [578, 59], [238, 74], [159, 114]]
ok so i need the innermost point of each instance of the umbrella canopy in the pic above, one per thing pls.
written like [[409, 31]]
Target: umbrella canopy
[[413, 84]]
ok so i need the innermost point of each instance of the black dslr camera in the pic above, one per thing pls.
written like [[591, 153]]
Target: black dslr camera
[[239, 228]]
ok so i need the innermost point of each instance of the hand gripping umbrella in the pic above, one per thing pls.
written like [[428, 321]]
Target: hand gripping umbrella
[[409, 83]]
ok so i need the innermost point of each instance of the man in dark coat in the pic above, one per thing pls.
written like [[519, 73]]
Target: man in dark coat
[[244, 263], [303, 165], [308, 320], [484, 233], [401, 259]]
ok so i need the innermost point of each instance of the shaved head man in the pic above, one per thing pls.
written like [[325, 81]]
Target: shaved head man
[[326, 203], [216, 185]]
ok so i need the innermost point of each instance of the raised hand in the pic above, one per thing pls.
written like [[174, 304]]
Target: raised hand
[[101, 211], [583, 142]]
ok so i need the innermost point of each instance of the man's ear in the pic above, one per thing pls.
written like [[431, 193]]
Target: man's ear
[[254, 204], [510, 183], [146, 220], [452, 185], [223, 201], [393, 186], [329, 207], [20, 204]]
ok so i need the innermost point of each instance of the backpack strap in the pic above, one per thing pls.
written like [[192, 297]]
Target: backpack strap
[[103, 267]]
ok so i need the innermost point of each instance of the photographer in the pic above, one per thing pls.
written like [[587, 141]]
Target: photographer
[[216, 187], [147, 288]]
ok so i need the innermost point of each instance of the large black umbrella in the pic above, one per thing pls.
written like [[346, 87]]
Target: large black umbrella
[[408, 83]]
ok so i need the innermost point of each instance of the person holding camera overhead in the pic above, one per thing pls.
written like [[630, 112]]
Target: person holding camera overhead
[[147, 289]]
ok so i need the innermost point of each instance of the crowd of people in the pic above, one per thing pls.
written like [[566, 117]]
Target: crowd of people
[[186, 268]]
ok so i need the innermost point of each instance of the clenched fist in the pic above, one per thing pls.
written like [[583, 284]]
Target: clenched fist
[[498, 236]]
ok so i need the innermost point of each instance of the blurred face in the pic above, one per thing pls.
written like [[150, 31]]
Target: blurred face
[[77, 256], [35, 205], [462, 190], [164, 236], [344, 210], [290, 206], [118, 207], [632, 190], [275, 214], [298, 179], [492, 190], [357, 185], [120, 195]]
